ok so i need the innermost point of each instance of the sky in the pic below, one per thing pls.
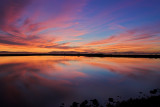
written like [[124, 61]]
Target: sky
[[101, 26]]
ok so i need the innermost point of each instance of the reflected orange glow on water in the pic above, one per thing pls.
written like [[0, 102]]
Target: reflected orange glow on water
[[127, 65], [64, 78]]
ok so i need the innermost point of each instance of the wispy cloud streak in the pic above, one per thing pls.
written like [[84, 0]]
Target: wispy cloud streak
[[79, 25]]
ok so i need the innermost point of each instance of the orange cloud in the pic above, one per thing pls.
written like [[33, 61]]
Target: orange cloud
[[135, 41]]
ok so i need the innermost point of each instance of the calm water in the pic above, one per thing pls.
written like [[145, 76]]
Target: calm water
[[48, 81]]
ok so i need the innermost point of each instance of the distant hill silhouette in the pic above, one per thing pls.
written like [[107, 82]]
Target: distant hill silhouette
[[74, 53]]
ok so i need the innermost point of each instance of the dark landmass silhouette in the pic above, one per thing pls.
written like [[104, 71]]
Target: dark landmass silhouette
[[87, 55], [143, 101]]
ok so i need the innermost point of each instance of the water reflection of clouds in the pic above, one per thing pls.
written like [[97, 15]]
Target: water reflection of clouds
[[53, 79], [128, 66], [35, 77]]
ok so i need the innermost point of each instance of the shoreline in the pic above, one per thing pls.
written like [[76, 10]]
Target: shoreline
[[87, 55]]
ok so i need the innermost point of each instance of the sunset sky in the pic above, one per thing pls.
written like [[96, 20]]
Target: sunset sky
[[80, 25]]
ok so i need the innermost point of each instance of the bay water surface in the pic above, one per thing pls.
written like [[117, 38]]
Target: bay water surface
[[48, 81]]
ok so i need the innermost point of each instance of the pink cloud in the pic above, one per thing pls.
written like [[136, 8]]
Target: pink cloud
[[32, 32]]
